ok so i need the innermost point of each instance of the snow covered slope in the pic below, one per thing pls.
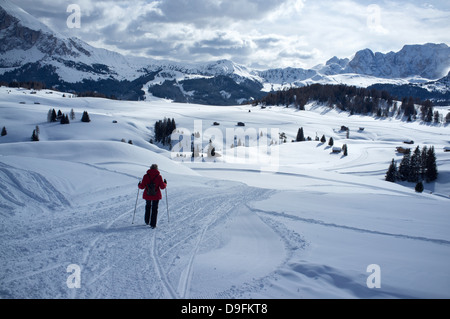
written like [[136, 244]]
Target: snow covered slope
[[311, 226]]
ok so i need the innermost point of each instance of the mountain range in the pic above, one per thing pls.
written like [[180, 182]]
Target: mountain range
[[31, 51]]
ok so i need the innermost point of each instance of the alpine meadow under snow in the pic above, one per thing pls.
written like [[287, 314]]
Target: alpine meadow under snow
[[281, 220]]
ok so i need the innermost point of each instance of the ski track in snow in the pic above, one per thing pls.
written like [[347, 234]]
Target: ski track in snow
[[169, 291], [322, 223], [37, 189], [157, 263], [178, 243]]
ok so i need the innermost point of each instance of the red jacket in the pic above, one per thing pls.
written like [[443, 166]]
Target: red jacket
[[155, 176]]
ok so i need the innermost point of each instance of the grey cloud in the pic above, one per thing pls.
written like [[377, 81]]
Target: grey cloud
[[202, 13], [220, 46], [267, 42], [303, 55]]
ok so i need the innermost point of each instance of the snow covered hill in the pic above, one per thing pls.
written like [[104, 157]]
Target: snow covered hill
[[261, 220]]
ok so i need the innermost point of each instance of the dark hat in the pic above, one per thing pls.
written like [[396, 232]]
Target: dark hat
[[154, 166]]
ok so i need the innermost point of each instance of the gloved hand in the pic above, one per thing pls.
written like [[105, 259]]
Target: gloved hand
[[139, 184], [165, 182]]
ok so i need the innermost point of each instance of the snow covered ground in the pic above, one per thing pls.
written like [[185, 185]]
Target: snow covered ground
[[287, 221]]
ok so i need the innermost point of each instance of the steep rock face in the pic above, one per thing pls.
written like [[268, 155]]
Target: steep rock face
[[34, 40], [15, 36], [430, 61], [334, 66]]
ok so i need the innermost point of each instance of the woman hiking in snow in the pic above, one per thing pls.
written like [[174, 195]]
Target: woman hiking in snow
[[152, 182]]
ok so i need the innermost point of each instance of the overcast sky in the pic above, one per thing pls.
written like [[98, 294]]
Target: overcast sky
[[257, 33]]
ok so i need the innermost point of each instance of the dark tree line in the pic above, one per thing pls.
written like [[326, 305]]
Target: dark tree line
[[163, 131], [415, 167], [354, 100], [35, 85], [96, 94]]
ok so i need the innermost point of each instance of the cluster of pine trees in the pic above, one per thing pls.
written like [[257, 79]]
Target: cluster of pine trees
[[355, 101], [347, 98], [416, 167], [163, 131], [53, 116]]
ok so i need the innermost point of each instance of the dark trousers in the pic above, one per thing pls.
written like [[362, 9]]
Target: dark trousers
[[151, 207]]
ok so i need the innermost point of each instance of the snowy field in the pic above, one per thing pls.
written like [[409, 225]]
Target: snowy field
[[287, 221]]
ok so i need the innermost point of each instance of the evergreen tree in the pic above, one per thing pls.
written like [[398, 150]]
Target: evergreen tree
[[35, 136], [345, 150], [53, 116], [437, 117], [410, 110], [429, 115], [85, 118], [4, 131], [405, 167], [331, 142], [431, 173], [419, 187], [163, 130], [49, 115], [426, 110], [158, 134], [65, 119], [300, 135], [391, 174], [323, 139], [173, 127], [423, 162], [72, 114], [415, 166]]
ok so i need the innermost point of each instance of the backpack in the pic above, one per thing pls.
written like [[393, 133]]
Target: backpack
[[151, 187]]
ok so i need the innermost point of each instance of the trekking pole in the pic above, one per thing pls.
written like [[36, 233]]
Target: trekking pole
[[135, 206], [167, 203]]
